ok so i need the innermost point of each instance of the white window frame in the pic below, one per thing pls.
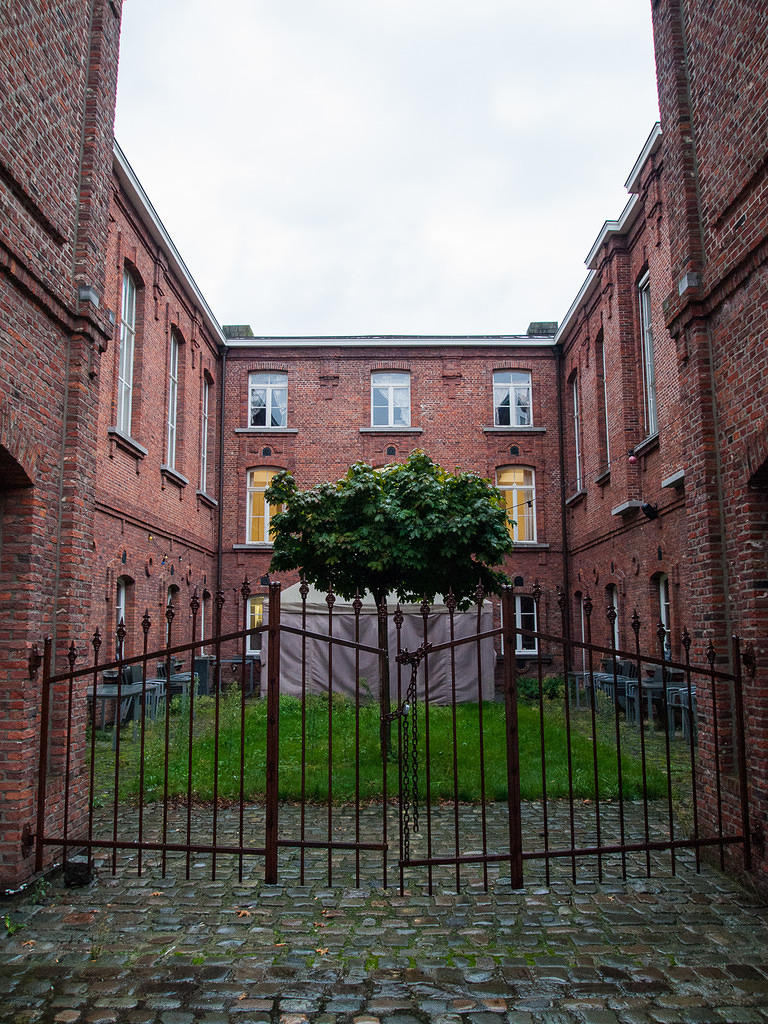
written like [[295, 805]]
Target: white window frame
[[517, 496], [253, 490], [127, 353], [173, 399], [650, 409], [512, 394], [172, 592], [204, 436], [665, 613], [612, 600], [274, 387], [605, 406], [255, 618], [525, 608], [390, 385], [576, 432]]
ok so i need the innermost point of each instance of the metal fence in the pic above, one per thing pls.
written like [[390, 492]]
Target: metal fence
[[616, 759]]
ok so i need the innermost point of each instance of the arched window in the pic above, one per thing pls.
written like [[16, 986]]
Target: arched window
[[123, 594], [172, 597], [518, 485], [648, 358], [268, 400], [127, 351], [173, 400], [665, 612], [258, 512]]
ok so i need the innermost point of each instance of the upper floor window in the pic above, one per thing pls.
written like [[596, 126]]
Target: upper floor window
[[204, 435], [576, 433], [268, 400], [390, 399], [649, 369], [173, 399], [518, 485], [127, 349], [512, 398], [602, 401], [258, 512]]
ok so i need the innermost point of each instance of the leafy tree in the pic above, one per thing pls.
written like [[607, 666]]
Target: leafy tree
[[410, 528]]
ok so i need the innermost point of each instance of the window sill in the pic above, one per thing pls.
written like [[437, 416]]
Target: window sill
[[173, 477], [677, 480], [391, 430], [648, 444], [603, 478], [576, 497], [514, 430], [266, 430], [260, 546], [206, 499], [126, 443], [626, 508], [530, 545]]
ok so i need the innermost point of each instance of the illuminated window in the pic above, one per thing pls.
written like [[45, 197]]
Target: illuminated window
[[258, 511], [517, 484], [255, 619], [512, 398]]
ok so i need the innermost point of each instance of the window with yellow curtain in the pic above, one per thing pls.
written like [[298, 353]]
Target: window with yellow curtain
[[255, 619], [518, 485], [258, 511]]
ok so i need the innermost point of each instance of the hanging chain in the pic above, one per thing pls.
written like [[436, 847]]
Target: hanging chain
[[410, 746]]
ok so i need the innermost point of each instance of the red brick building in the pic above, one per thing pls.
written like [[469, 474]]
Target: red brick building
[[58, 77], [137, 438]]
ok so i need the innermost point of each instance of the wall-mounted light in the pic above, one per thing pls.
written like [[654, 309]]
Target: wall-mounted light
[[631, 456], [649, 511]]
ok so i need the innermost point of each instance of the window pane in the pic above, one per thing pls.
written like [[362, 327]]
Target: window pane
[[502, 410], [522, 407], [279, 407], [402, 407]]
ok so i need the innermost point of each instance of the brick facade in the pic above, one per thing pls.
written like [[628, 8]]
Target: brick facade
[[59, 77]]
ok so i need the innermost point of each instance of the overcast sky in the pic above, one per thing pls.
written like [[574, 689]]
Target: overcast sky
[[386, 166]]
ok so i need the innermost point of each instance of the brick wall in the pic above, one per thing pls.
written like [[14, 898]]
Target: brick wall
[[58, 79]]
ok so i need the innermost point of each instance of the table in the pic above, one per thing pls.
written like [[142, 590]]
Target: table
[[130, 698]]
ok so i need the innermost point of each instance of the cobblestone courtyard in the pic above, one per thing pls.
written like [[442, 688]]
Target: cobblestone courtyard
[[170, 951]]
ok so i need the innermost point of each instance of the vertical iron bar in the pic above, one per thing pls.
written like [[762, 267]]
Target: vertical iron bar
[[562, 600], [330, 601], [245, 591], [72, 658], [686, 640], [219, 605], [273, 736], [303, 590], [357, 604], [42, 773], [593, 719], [513, 752], [542, 742], [145, 625], [711, 655], [427, 751], [643, 760], [741, 751], [120, 633], [96, 644], [479, 597], [194, 605], [169, 613], [611, 614], [661, 634], [451, 605], [398, 619]]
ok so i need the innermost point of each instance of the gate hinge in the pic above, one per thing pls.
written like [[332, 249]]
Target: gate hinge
[[27, 841], [34, 661]]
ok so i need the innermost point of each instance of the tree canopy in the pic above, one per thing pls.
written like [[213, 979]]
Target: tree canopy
[[411, 528]]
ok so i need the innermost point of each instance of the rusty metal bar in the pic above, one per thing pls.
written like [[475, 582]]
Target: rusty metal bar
[[741, 751], [169, 614], [479, 598], [330, 600], [513, 752], [398, 620], [562, 601], [711, 655], [303, 590], [273, 736], [686, 642], [643, 759], [357, 604], [71, 658], [427, 749], [96, 644], [245, 591], [219, 677], [617, 735], [120, 634], [146, 622], [542, 740], [450, 603], [661, 634], [42, 772], [194, 605], [593, 720]]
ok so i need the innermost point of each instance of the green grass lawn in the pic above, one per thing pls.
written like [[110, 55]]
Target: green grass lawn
[[351, 749]]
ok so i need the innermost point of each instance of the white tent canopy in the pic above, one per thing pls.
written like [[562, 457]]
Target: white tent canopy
[[296, 649]]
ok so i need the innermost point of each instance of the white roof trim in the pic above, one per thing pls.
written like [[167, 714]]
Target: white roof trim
[[652, 143], [135, 192], [397, 341]]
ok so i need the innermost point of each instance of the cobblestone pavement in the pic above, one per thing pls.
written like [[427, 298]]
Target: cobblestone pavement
[[153, 950]]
